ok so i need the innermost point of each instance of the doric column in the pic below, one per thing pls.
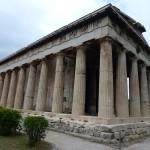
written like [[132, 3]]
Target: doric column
[[12, 89], [20, 89], [42, 89], [5, 90], [57, 104], [1, 84], [135, 109], [122, 108], [144, 92], [148, 74], [78, 106], [29, 95], [106, 98]]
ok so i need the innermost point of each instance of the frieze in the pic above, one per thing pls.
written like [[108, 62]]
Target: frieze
[[62, 38], [84, 29], [114, 25], [34, 51], [24, 56], [16, 59], [97, 23], [41, 48], [125, 34], [55, 42], [72, 34]]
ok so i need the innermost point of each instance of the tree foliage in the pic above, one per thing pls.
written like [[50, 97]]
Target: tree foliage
[[9, 121], [35, 128]]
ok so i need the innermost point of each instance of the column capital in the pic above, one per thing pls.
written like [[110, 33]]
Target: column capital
[[83, 47], [45, 59], [60, 54], [148, 69], [121, 49], [8, 72], [16, 69], [106, 39], [2, 73], [142, 65], [24, 66], [134, 58], [35, 62]]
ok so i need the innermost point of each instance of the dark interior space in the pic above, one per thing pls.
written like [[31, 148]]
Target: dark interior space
[[92, 80], [115, 60]]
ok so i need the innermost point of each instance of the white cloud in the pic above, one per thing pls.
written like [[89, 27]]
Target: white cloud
[[25, 21]]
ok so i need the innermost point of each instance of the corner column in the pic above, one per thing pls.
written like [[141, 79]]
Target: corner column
[[12, 89], [144, 92], [122, 108], [20, 89], [57, 104], [148, 74], [5, 90], [29, 94], [78, 106], [135, 109], [1, 84], [106, 97], [42, 89]]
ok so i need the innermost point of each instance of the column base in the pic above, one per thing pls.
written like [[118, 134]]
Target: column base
[[88, 119]]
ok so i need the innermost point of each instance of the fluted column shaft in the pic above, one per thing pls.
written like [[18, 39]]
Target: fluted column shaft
[[29, 95], [135, 109], [78, 106], [105, 107], [122, 107], [20, 89], [1, 85], [5, 90], [149, 86], [42, 89], [144, 92], [57, 105], [12, 89]]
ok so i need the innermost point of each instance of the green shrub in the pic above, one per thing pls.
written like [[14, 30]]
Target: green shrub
[[9, 121], [35, 128]]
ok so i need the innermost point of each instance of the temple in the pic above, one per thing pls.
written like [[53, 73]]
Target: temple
[[95, 69]]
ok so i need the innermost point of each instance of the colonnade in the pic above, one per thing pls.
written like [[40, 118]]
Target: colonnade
[[12, 84]]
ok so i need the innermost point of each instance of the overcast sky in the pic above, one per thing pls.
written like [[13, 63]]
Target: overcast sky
[[25, 21]]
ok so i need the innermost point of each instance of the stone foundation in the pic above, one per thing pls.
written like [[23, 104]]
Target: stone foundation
[[86, 127]]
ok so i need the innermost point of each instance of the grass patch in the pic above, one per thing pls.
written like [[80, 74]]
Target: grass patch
[[20, 142]]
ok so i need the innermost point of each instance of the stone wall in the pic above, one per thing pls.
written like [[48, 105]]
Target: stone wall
[[108, 134], [102, 133]]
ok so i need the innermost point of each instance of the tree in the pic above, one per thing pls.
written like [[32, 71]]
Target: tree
[[35, 128], [9, 120]]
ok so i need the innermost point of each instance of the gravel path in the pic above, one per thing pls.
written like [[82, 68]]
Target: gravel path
[[68, 142], [145, 145]]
